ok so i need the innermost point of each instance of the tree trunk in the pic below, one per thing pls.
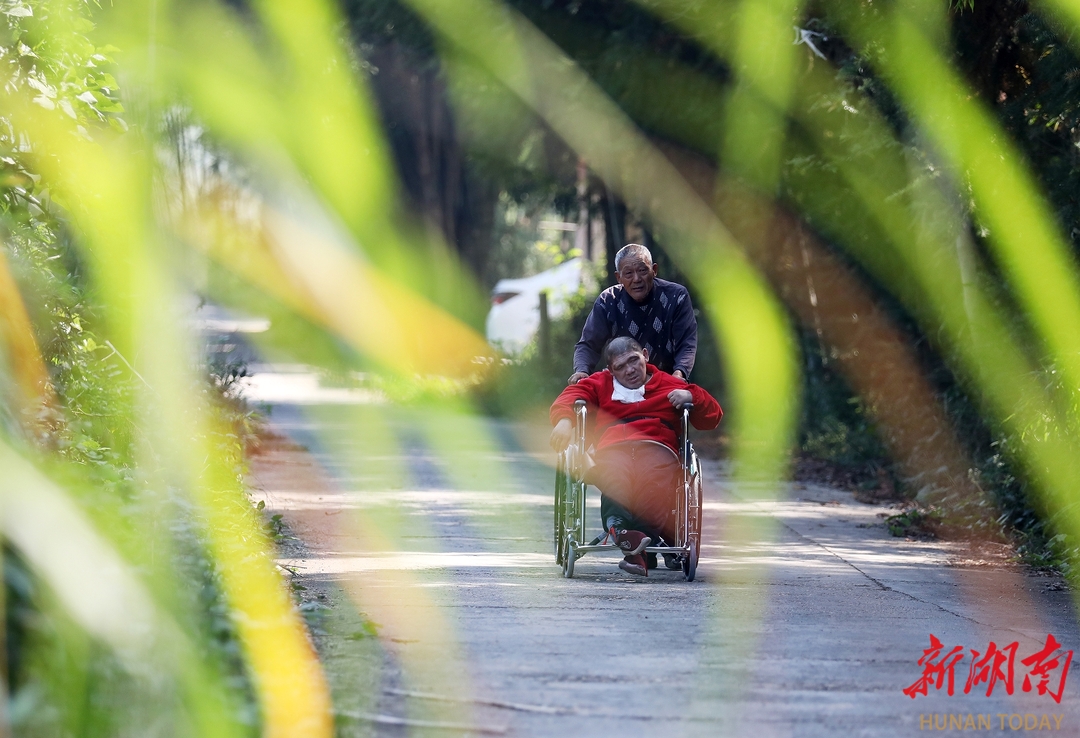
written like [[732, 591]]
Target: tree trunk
[[614, 228], [438, 181]]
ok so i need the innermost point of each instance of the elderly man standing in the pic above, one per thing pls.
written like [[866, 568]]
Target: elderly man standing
[[654, 312], [637, 468]]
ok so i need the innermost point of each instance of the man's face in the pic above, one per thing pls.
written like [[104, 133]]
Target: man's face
[[629, 369], [636, 276]]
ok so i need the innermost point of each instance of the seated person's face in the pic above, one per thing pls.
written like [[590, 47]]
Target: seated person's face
[[629, 369]]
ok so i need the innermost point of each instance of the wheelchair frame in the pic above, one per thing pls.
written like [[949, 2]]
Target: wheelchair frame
[[570, 495]]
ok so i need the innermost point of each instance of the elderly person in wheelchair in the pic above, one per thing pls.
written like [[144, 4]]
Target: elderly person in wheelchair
[[637, 463]]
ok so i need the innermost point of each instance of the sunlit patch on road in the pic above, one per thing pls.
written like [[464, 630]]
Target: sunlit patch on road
[[301, 385], [425, 500], [417, 560]]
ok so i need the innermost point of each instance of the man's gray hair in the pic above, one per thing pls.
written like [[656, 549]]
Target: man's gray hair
[[619, 346], [632, 250]]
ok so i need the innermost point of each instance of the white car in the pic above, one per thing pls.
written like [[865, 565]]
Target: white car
[[515, 305]]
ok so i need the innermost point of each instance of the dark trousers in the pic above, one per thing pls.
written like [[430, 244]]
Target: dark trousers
[[639, 485]]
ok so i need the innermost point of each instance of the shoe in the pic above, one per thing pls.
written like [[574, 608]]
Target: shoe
[[633, 542], [650, 560], [614, 523], [634, 564], [673, 561]]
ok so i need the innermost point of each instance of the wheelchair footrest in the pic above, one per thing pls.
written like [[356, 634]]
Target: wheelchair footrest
[[648, 549], [598, 547]]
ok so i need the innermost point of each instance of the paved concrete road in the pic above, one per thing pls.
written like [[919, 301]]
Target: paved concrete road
[[437, 531]]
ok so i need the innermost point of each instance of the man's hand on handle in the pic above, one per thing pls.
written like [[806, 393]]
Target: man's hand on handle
[[560, 434], [678, 398]]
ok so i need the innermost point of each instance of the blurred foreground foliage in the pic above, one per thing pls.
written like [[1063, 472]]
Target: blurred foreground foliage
[[61, 681], [86, 433], [883, 212]]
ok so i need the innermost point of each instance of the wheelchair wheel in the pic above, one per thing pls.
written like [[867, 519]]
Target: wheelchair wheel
[[569, 558], [693, 503], [689, 562], [574, 518], [562, 485]]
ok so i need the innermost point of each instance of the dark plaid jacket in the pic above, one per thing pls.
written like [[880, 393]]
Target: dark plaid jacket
[[664, 324]]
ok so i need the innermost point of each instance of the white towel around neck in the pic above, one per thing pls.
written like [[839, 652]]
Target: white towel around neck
[[624, 394]]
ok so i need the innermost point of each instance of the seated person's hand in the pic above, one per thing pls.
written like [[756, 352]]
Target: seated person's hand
[[576, 377], [678, 398], [560, 434]]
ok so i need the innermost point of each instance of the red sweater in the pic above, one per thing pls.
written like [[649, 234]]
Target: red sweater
[[652, 419]]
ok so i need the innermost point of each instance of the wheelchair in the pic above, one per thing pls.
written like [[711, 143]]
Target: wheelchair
[[570, 497]]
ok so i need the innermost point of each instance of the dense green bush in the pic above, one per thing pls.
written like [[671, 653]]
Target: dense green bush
[[86, 437], [91, 446]]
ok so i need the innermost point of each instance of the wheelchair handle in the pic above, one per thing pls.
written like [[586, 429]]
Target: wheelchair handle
[[579, 403], [686, 407]]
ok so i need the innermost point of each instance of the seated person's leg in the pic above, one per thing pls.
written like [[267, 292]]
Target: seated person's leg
[[639, 486], [613, 475], [655, 489], [617, 518], [665, 481], [657, 486]]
